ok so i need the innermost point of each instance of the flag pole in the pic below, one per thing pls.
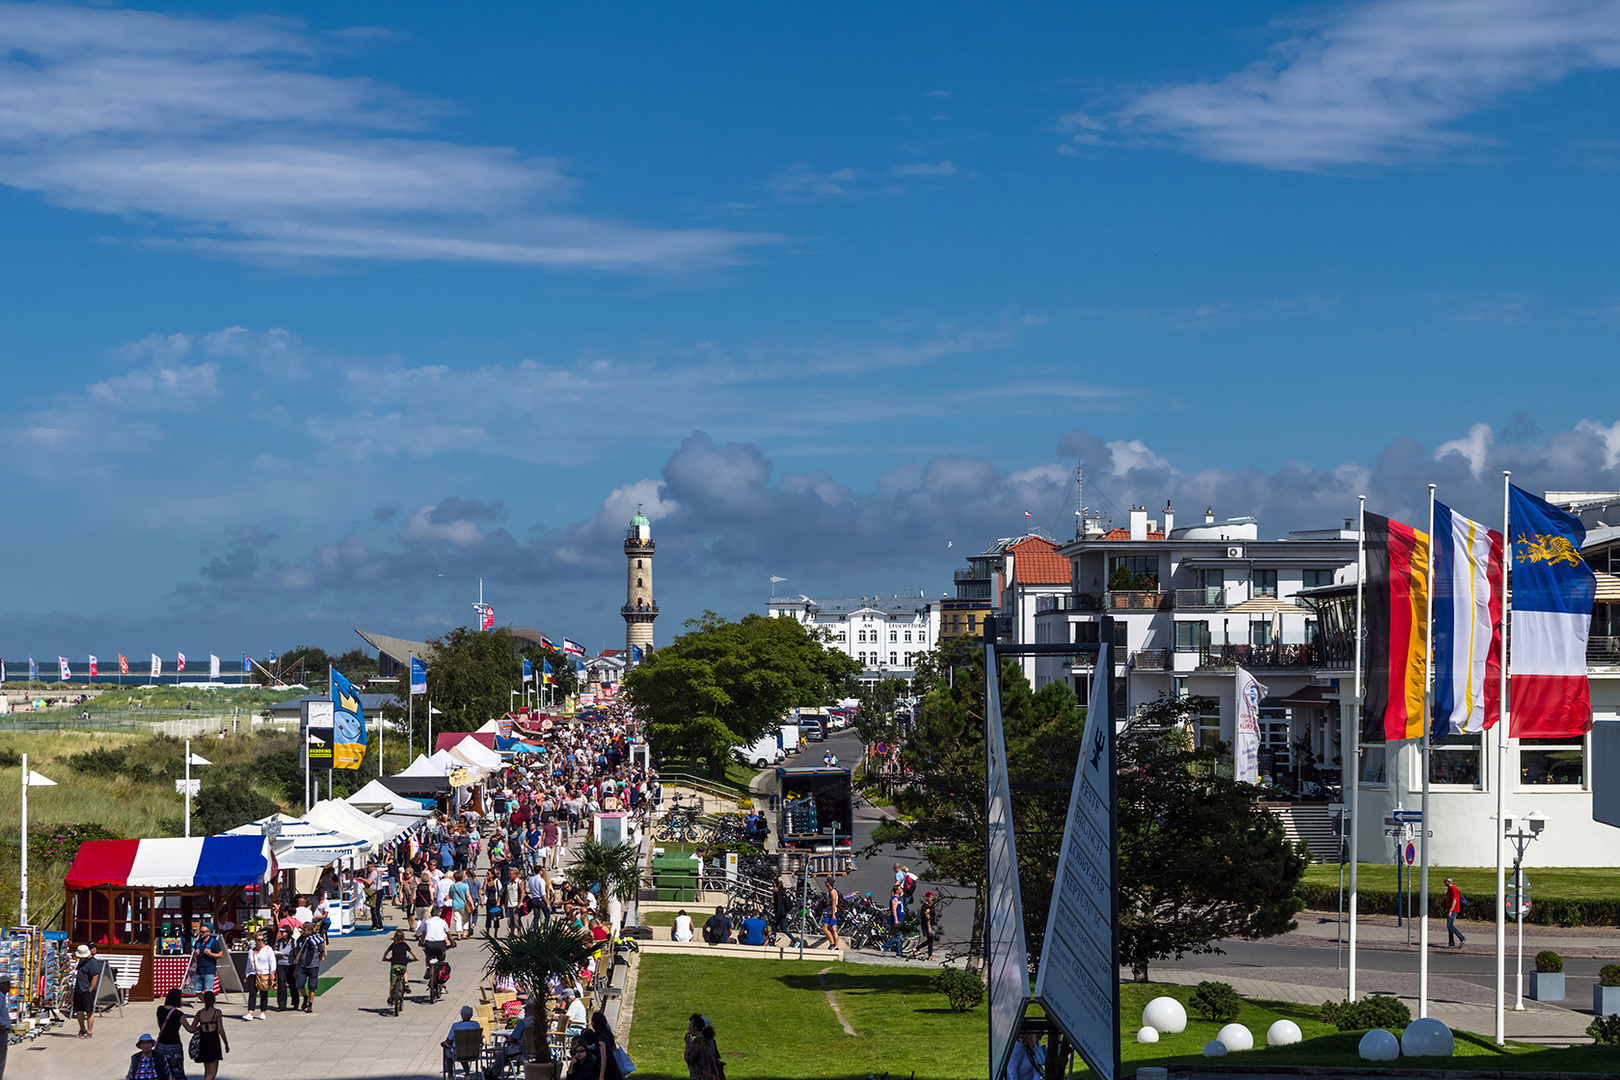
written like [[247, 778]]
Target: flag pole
[[1423, 826], [1355, 738], [1500, 779]]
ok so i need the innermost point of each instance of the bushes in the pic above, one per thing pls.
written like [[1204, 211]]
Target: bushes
[[1546, 911], [1549, 962], [60, 843], [1372, 1011], [9, 758], [1605, 1029], [1609, 975], [102, 761], [1216, 1001], [963, 989]]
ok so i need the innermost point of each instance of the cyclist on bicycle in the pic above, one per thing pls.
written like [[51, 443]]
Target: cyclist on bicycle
[[434, 934], [398, 955]]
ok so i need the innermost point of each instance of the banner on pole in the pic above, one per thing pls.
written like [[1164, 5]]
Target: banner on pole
[[1007, 952], [1246, 756]]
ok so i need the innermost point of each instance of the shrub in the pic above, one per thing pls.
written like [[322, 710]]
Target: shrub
[[1609, 975], [745, 804], [962, 989], [102, 761], [1216, 1001], [9, 758], [1549, 962], [1605, 1029], [59, 843], [1372, 1011]]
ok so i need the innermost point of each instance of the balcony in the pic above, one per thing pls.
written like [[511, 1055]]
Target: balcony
[[1149, 659], [1255, 657], [971, 575], [1206, 599], [1067, 602], [1603, 652], [1138, 600], [645, 609]]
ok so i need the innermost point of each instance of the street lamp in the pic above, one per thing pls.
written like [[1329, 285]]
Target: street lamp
[[29, 779], [1536, 821]]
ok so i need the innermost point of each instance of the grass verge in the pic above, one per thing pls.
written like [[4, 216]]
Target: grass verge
[[1570, 896]]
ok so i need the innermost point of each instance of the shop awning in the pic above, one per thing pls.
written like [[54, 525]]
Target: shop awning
[[416, 787], [301, 845], [339, 816], [171, 863], [479, 754], [377, 797]]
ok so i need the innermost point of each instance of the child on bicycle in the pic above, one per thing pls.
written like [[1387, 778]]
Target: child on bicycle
[[398, 955]]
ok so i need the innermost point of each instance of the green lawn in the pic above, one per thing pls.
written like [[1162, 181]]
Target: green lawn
[[772, 1020], [658, 918], [1573, 883], [737, 774]]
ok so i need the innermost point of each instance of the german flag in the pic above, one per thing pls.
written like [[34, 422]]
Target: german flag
[[1396, 606]]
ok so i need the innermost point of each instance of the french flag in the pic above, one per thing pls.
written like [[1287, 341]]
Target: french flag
[[1553, 593], [1467, 624]]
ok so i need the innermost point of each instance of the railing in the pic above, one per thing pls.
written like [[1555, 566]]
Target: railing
[[1226, 657], [1148, 659], [971, 575], [1603, 651], [1207, 599], [1067, 602], [628, 609], [1138, 600]]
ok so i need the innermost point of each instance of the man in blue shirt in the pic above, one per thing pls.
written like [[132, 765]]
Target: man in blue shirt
[[466, 1023], [208, 953], [752, 931], [717, 931]]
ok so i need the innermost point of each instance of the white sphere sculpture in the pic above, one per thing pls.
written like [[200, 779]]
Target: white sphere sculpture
[[1147, 1035], [1379, 1045], [1427, 1038], [1235, 1037], [1165, 1014], [1214, 1048], [1283, 1033]]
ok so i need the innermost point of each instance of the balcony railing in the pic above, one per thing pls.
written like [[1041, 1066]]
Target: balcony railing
[[628, 609], [1226, 657], [1149, 659], [1603, 651], [1134, 600], [1208, 599], [971, 575], [1067, 602]]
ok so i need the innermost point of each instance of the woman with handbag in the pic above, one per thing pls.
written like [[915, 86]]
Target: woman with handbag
[[607, 1050], [262, 975], [209, 1043], [172, 1021]]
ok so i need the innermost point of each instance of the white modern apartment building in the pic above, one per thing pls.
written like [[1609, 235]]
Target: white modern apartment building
[[883, 633]]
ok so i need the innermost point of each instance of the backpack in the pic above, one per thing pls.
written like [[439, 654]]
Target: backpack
[[309, 950]]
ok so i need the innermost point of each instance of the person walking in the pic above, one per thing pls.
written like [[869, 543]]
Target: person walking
[[926, 918], [214, 1045], [494, 894], [829, 917], [146, 1063], [206, 957], [285, 935], [422, 898], [606, 1044], [897, 919], [261, 975], [308, 956], [1453, 909], [86, 982], [171, 1022], [702, 1056]]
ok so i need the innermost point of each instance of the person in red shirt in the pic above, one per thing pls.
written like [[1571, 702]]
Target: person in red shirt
[[1453, 907]]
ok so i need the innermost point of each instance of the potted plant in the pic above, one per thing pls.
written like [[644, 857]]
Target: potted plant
[[1606, 994], [531, 958], [611, 871], [1547, 981]]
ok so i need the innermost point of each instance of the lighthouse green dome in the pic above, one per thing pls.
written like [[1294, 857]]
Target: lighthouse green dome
[[639, 519]]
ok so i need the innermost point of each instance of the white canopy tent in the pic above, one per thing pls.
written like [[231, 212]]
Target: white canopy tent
[[476, 753], [445, 761], [422, 766], [302, 844], [340, 816]]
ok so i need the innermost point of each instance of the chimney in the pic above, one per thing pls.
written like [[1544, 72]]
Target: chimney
[[1209, 515], [1138, 523], [1169, 518]]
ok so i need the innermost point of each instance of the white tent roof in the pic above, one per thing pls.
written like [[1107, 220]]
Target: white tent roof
[[303, 844], [375, 796], [444, 761], [338, 815], [422, 766], [478, 755], [490, 725]]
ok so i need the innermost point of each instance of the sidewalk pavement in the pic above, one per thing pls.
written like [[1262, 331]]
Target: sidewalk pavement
[[1380, 932]]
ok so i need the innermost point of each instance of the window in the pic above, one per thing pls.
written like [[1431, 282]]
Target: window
[[894, 635], [1317, 578], [1456, 760], [1276, 758], [1552, 762], [908, 636], [908, 659], [1372, 764], [638, 583], [1085, 633], [638, 564], [860, 635], [1214, 583], [894, 659], [842, 636], [1209, 732], [1192, 636], [1265, 583], [1260, 633]]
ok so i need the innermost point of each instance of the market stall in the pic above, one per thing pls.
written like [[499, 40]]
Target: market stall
[[148, 898]]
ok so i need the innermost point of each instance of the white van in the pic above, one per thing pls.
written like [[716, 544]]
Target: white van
[[764, 753]]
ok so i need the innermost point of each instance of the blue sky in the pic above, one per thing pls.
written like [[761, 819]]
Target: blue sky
[[316, 314]]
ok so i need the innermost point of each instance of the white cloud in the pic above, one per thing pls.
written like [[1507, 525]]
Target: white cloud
[[1473, 448], [217, 128], [1610, 437], [1380, 83], [1132, 455], [944, 168], [179, 387], [800, 183]]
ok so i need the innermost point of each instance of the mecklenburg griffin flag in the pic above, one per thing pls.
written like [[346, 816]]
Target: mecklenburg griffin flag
[[1553, 593], [418, 676], [348, 724]]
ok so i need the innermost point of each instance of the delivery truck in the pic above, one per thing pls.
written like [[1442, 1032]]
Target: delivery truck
[[817, 808]]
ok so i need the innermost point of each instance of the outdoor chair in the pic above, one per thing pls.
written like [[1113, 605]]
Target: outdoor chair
[[467, 1050]]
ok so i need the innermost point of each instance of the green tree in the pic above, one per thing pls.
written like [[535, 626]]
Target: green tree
[[357, 666], [225, 799], [613, 869], [470, 676], [1200, 860], [874, 718], [724, 684], [565, 678], [306, 664]]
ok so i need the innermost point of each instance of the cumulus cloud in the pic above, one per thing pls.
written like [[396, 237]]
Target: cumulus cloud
[[222, 136], [1378, 83]]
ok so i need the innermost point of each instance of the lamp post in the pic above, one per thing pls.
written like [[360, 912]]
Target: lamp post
[[191, 759], [1537, 821], [29, 779]]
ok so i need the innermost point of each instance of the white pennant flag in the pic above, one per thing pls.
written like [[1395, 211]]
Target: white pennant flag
[[157, 666], [213, 667]]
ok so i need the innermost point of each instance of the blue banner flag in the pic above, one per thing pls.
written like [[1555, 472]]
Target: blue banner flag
[[528, 670], [418, 676], [247, 665], [635, 654], [579, 666], [546, 664], [33, 670], [348, 724]]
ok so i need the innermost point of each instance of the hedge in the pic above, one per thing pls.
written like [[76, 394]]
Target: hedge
[[1543, 912]]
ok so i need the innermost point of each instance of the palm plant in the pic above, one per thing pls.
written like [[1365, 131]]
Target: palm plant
[[531, 958], [613, 869]]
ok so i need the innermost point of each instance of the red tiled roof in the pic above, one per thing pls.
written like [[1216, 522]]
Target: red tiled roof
[[1036, 562], [1125, 534]]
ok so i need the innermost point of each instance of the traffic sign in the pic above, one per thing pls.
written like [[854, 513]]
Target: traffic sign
[[1408, 815], [1411, 854]]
